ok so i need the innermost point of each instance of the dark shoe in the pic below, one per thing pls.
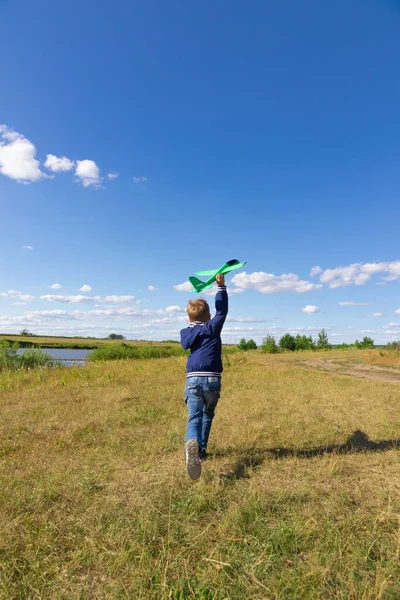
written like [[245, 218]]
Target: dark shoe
[[192, 457], [203, 455]]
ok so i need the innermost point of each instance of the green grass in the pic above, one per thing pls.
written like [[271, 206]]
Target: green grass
[[32, 358], [299, 501], [123, 351]]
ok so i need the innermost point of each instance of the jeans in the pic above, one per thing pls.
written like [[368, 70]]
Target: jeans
[[201, 397]]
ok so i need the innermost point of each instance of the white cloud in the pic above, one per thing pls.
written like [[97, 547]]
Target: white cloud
[[393, 276], [360, 273], [172, 309], [342, 276], [85, 288], [152, 288], [373, 268], [397, 311], [88, 173], [163, 320], [125, 312], [16, 295], [55, 286], [310, 309], [267, 283], [245, 319], [60, 164], [113, 299], [140, 179], [307, 329], [17, 157], [106, 313], [210, 292], [112, 175], [116, 299], [377, 314], [170, 318], [187, 287], [242, 329], [28, 247], [354, 303], [315, 271], [184, 287], [59, 298], [41, 315]]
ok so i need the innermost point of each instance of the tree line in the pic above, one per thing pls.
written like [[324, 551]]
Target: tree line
[[299, 342]]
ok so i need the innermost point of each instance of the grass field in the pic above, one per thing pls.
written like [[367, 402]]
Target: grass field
[[300, 499]]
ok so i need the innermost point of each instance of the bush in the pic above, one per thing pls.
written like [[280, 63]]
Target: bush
[[269, 345], [116, 336], [287, 342], [393, 346], [323, 341], [302, 342], [250, 345], [118, 351], [366, 343], [31, 358], [242, 345]]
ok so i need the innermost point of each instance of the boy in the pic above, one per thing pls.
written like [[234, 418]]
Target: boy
[[204, 368]]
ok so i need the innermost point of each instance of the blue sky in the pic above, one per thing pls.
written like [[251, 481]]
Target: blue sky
[[263, 131]]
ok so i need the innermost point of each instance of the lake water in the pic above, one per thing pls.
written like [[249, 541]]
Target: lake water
[[67, 356]]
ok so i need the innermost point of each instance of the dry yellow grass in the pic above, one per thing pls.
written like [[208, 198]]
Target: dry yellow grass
[[301, 499], [378, 356]]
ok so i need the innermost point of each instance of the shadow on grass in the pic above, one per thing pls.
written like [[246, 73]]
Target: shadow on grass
[[254, 457]]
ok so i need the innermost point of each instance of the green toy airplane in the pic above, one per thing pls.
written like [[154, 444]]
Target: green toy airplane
[[199, 285]]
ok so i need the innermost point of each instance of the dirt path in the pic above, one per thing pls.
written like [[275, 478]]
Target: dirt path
[[361, 371]]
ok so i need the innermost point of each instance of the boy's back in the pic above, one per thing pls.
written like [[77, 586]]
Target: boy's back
[[204, 340]]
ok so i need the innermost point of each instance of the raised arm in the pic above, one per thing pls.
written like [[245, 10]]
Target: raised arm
[[221, 305]]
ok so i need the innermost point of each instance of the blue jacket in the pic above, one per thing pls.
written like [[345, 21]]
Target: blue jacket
[[204, 341]]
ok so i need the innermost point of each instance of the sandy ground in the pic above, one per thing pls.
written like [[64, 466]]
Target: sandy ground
[[361, 371]]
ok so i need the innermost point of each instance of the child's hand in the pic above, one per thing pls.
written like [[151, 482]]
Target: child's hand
[[220, 279]]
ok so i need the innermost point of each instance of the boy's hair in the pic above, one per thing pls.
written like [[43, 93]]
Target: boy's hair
[[198, 310]]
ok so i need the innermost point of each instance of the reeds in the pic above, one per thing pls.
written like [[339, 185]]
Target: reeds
[[31, 358]]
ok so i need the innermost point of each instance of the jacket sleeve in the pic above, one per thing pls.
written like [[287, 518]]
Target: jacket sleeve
[[221, 306], [185, 339]]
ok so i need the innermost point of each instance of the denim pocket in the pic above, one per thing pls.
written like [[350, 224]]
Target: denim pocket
[[192, 383], [192, 387], [213, 385]]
